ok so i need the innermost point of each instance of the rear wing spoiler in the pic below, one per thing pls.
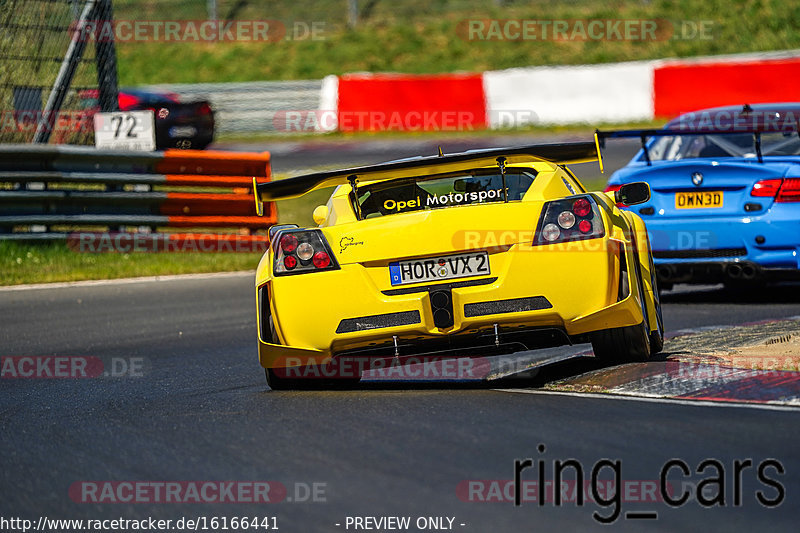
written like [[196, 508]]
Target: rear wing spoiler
[[645, 134], [560, 153]]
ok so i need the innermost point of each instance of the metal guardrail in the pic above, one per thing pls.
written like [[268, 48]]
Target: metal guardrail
[[252, 106], [48, 192]]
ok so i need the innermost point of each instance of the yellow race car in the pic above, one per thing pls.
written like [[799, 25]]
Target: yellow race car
[[473, 254]]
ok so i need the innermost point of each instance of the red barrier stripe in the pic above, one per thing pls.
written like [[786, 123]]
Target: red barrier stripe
[[214, 162], [684, 87], [386, 102]]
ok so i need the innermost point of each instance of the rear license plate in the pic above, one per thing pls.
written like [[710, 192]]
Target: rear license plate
[[700, 199], [182, 131], [439, 268]]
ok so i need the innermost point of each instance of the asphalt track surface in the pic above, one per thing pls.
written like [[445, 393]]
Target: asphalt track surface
[[202, 411]]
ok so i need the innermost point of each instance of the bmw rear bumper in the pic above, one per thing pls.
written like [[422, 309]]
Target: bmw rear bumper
[[713, 249]]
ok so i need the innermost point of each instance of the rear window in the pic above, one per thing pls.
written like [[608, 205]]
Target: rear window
[[675, 148], [465, 188]]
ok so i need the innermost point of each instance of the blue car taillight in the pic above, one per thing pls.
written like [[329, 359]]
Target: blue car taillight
[[790, 190], [783, 190], [301, 251], [569, 219]]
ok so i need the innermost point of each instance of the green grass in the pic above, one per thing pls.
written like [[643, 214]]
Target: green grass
[[427, 36], [45, 263]]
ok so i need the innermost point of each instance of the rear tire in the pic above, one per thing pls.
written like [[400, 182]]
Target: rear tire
[[278, 382], [657, 335], [275, 381], [625, 344]]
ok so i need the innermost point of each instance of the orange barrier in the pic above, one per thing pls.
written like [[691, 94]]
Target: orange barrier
[[215, 162], [231, 171], [158, 190]]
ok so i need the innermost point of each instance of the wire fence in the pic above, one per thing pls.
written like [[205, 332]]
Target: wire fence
[[51, 78], [252, 107]]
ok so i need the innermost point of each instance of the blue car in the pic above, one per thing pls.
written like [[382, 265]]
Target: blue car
[[725, 194]]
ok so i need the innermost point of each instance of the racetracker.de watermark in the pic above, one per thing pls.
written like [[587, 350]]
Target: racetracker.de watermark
[[204, 492], [64, 121], [744, 120], [565, 30], [526, 240], [380, 369], [198, 31], [121, 242], [71, 367], [305, 120]]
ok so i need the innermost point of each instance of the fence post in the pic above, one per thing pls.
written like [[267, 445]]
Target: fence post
[[106, 58], [70, 63]]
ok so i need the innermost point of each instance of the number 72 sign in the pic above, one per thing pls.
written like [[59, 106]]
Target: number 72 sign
[[125, 130]]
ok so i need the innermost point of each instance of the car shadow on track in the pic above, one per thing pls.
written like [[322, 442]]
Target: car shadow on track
[[535, 378]]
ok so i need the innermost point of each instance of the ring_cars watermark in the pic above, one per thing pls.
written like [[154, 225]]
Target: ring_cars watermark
[[710, 483]]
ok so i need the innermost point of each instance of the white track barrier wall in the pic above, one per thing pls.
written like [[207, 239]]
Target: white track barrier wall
[[617, 92], [578, 94], [329, 104]]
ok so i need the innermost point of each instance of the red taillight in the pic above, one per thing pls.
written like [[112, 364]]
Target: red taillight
[[288, 243], [783, 190], [321, 260], [790, 191], [569, 219], [581, 207], [302, 251], [204, 109], [126, 101], [766, 188]]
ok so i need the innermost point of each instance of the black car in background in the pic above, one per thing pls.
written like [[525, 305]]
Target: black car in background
[[178, 124]]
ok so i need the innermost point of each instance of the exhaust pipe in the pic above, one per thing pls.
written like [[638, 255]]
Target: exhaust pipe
[[749, 272], [665, 272], [734, 271]]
